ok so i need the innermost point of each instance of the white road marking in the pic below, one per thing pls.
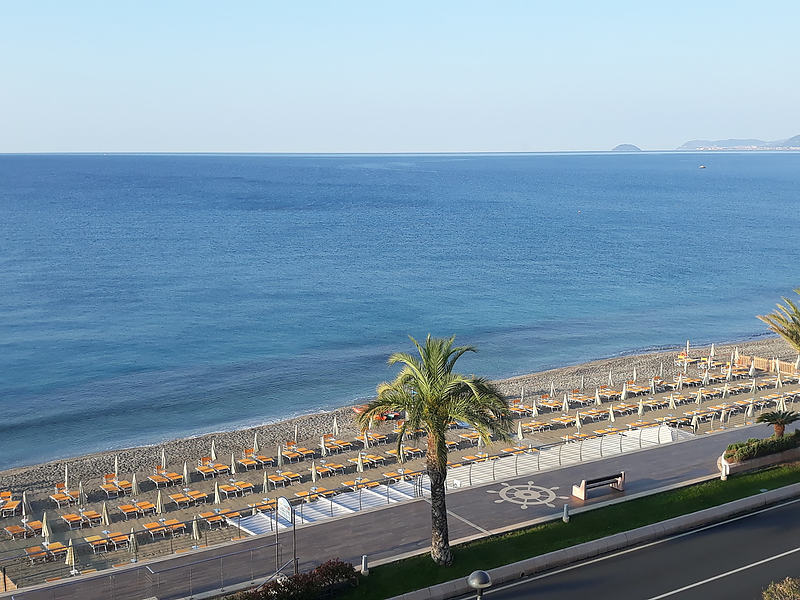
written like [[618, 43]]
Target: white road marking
[[726, 574], [463, 520], [635, 548]]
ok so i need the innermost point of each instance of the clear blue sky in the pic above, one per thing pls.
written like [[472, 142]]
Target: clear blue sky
[[374, 76]]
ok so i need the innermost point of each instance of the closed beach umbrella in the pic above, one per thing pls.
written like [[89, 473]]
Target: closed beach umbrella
[[685, 367], [314, 471], [81, 494], [132, 546], [163, 458], [134, 486], [104, 518], [797, 364], [753, 387], [779, 380], [159, 503], [583, 382], [624, 395], [711, 353], [26, 507], [725, 390], [535, 408], [705, 378], [552, 389], [45, 527], [634, 373], [365, 433], [360, 463], [687, 347], [661, 369], [597, 400], [481, 442], [522, 394], [116, 466], [520, 436], [611, 417], [782, 404], [653, 386], [750, 409], [695, 423], [185, 473], [217, 499], [672, 402], [335, 428], [70, 559], [610, 379], [640, 410], [680, 382], [565, 404], [401, 455], [736, 354], [752, 370], [280, 456], [233, 464], [66, 477], [723, 417], [577, 420], [255, 442], [196, 529], [323, 449], [265, 483], [699, 398], [295, 433], [213, 453]]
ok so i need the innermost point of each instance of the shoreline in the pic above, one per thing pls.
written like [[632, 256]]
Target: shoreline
[[141, 459]]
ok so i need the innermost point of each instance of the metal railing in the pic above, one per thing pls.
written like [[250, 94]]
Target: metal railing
[[170, 579]]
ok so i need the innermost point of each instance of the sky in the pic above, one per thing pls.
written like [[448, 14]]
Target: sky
[[411, 76]]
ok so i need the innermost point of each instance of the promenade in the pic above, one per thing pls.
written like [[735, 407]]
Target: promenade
[[399, 528]]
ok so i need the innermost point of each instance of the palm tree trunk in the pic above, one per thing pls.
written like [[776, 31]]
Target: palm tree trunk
[[436, 459], [779, 429], [440, 538]]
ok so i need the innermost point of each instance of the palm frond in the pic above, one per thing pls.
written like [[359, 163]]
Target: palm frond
[[785, 321]]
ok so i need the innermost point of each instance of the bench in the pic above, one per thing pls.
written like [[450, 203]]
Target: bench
[[616, 481]]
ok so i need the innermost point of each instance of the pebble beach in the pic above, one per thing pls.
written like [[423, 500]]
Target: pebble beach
[[141, 460]]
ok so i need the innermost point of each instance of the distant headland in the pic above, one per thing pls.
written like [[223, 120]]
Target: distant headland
[[793, 143], [626, 148]]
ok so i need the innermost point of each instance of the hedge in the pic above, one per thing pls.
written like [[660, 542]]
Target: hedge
[[755, 447]]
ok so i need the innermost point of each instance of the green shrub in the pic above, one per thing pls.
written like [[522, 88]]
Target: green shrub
[[755, 447], [305, 586], [788, 589]]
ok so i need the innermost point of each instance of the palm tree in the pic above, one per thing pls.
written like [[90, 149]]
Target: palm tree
[[779, 420], [785, 321], [433, 396]]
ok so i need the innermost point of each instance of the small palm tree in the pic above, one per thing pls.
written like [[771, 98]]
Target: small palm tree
[[779, 420], [433, 396], [785, 321]]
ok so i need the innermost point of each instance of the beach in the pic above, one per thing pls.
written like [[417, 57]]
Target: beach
[[41, 478]]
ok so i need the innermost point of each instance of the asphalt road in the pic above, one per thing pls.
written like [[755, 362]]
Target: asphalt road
[[733, 560]]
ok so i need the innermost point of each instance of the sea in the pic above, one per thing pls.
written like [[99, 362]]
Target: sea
[[148, 297]]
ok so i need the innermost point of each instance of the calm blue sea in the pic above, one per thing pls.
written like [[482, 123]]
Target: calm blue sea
[[144, 297]]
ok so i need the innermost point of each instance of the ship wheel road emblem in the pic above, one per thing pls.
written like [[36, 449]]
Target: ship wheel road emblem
[[527, 495]]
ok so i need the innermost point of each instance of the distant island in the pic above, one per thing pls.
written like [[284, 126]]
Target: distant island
[[793, 143], [626, 148]]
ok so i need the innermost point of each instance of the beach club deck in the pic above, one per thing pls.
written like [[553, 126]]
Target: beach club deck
[[176, 508]]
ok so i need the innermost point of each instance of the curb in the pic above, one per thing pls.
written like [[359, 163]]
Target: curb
[[618, 541]]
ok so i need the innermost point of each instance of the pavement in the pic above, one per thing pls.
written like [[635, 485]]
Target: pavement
[[403, 528], [735, 559]]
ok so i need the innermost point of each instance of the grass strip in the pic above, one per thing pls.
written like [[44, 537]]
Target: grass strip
[[420, 572]]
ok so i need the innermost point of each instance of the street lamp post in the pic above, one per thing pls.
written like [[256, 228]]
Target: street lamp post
[[479, 580]]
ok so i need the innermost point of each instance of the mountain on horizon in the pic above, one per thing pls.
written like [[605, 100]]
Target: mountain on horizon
[[742, 144]]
